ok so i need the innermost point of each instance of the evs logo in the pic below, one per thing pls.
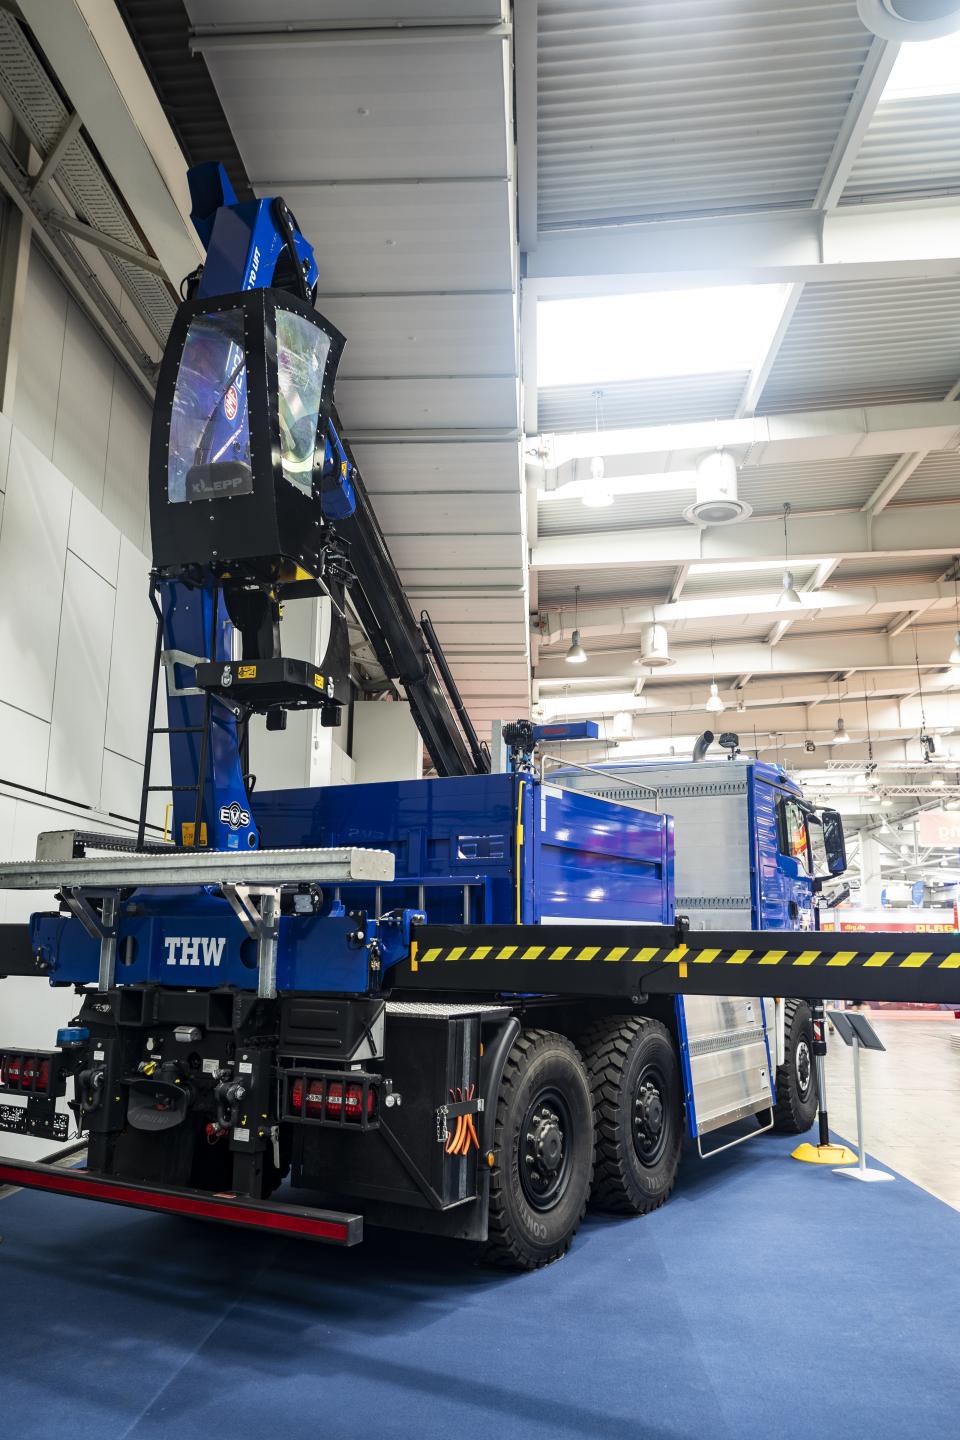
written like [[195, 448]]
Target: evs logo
[[234, 815], [194, 949]]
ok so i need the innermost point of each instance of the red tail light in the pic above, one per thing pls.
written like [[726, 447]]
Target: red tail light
[[333, 1104], [10, 1071]]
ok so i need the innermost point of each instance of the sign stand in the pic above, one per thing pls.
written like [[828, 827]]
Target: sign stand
[[824, 1152], [856, 1031]]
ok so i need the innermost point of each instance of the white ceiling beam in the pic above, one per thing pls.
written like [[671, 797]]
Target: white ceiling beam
[[911, 530], [806, 691], [525, 73], [760, 373], [96, 62], [881, 602], [863, 242], [794, 655], [757, 440], [899, 473], [866, 97]]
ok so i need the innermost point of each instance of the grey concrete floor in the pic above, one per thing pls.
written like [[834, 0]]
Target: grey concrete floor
[[911, 1100]]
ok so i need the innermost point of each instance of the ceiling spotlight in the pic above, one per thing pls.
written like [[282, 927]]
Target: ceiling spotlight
[[576, 655], [886, 803], [713, 702], [790, 594], [955, 652], [840, 736], [596, 495], [937, 782]]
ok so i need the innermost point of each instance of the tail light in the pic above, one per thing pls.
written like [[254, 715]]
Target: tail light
[[28, 1074], [330, 1100]]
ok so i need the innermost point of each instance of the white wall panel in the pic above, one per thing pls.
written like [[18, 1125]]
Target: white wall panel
[[134, 635], [33, 546], [120, 785], [83, 406], [6, 429], [80, 698], [125, 484], [24, 743], [93, 538], [42, 330], [386, 742]]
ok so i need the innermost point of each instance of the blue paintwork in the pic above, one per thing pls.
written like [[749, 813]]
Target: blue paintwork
[[579, 858]]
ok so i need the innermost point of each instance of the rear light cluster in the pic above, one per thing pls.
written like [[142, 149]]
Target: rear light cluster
[[332, 1101], [24, 1074]]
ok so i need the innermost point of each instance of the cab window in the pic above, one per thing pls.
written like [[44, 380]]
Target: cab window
[[793, 832]]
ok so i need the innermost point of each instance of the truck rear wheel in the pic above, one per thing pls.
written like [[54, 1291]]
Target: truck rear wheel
[[796, 1081], [543, 1153], [638, 1123]]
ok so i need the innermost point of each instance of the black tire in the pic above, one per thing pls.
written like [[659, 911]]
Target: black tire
[[634, 1075], [796, 1080], [543, 1149]]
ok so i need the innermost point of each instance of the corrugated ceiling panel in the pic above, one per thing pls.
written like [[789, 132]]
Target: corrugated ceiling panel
[[814, 485], [628, 512], [937, 478], [912, 148], [671, 399], [911, 568], [679, 106], [868, 343], [613, 582]]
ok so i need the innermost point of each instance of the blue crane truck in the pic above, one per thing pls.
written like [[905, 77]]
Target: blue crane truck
[[467, 1005]]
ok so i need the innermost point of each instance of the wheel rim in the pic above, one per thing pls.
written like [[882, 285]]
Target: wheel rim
[[804, 1069], [651, 1122], [545, 1149]]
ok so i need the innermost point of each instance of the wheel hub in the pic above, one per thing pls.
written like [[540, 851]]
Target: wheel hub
[[804, 1068], [650, 1117], [543, 1152]]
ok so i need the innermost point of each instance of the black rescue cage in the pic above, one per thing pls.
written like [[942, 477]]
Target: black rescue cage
[[239, 436]]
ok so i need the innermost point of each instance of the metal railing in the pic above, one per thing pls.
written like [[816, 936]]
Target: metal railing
[[618, 788]]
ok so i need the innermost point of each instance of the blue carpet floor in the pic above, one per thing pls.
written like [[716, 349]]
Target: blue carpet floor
[[767, 1299]]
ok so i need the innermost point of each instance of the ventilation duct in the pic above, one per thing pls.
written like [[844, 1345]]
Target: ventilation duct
[[717, 502], [703, 744], [654, 648], [910, 20]]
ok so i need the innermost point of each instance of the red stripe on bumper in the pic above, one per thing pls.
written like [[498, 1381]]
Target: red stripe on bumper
[[340, 1229]]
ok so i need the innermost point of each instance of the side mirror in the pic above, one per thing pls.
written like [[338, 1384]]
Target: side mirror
[[833, 841]]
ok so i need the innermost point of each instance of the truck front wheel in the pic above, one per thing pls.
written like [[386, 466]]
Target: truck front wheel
[[796, 1082], [635, 1079], [542, 1154]]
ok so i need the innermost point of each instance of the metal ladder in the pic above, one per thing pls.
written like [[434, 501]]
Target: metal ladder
[[203, 730]]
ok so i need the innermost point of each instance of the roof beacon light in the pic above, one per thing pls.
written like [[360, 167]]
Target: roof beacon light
[[717, 502]]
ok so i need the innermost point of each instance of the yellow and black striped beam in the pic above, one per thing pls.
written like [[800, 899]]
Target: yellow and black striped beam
[[637, 960]]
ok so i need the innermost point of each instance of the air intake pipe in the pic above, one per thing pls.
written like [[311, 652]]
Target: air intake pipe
[[703, 744]]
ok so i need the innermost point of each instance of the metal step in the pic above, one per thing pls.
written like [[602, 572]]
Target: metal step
[[336, 865]]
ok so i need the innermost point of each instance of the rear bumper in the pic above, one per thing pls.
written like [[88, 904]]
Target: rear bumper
[[332, 1227]]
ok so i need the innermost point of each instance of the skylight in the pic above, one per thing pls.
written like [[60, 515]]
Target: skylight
[[930, 68], [605, 338]]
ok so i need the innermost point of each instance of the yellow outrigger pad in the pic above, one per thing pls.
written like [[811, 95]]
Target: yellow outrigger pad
[[824, 1154]]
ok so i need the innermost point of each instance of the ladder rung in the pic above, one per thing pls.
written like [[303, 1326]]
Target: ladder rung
[[168, 789], [178, 729]]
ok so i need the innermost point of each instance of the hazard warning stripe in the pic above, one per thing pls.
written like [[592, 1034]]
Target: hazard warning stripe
[[683, 954]]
